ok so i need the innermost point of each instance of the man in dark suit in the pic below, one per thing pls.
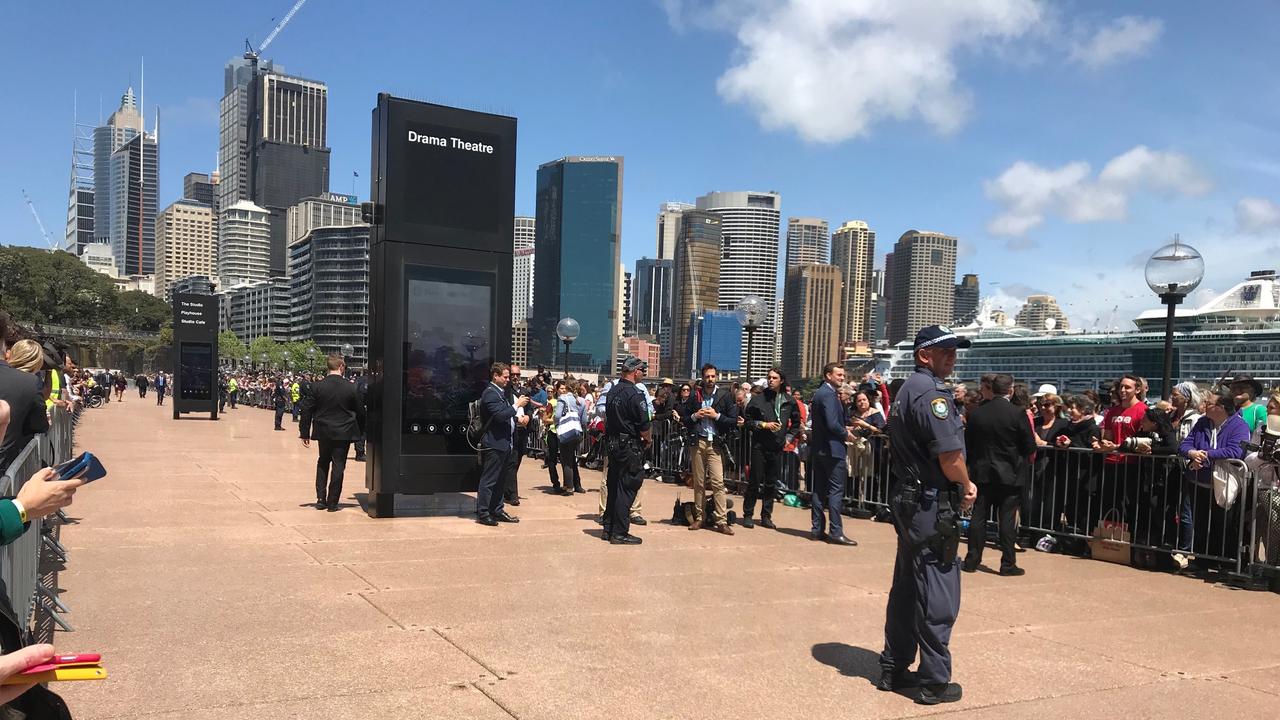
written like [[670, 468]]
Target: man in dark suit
[[999, 441], [338, 418], [830, 468], [25, 394], [520, 441], [496, 444]]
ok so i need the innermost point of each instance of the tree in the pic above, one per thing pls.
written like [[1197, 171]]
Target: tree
[[265, 345], [144, 311], [230, 347], [37, 286], [296, 352]]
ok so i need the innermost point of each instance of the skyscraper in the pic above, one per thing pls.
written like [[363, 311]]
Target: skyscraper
[[525, 262], [329, 289], [878, 303], [80, 197], [628, 317], [184, 244], [853, 250], [273, 147], [715, 336], [807, 241], [134, 191], [669, 227], [244, 237], [813, 302], [200, 187], [924, 276], [1037, 310], [966, 300], [749, 259], [525, 234], [121, 126], [651, 298], [324, 210], [695, 285], [578, 230]]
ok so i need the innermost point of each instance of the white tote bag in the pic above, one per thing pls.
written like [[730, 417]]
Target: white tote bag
[[570, 427], [1228, 477]]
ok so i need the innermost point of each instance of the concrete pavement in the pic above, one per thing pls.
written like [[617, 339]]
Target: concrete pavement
[[213, 589]]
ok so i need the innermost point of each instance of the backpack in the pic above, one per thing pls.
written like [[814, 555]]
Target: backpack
[[476, 426]]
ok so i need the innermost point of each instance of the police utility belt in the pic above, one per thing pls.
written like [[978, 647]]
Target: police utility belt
[[912, 496]]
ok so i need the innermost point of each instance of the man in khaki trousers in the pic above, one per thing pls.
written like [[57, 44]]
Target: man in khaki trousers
[[710, 414]]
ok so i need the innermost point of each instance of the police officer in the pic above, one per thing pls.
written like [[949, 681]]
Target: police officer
[[627, 440], [930, 487]]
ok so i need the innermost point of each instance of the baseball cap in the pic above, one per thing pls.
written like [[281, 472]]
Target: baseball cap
[[1046, 389], [939, 336], [634, 363]]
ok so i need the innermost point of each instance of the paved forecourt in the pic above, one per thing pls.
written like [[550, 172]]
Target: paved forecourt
[[213, 589]]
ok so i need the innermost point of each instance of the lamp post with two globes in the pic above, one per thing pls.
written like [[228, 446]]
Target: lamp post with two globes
[[1173, 272]]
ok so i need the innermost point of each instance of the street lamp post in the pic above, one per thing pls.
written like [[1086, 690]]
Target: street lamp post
[[1173, 272], [347, 352], [247, 359], [311, 358], [263, 359], [567, 330], [752, 312]]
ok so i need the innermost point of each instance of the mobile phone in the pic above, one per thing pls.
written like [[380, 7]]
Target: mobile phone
[[71, 672], [84, 466]]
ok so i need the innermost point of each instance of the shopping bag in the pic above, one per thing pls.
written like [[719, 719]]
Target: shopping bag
[[1111, 540], [1228, 476]]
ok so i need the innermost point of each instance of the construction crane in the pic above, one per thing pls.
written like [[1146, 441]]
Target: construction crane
[[36, 215], [248, 46]]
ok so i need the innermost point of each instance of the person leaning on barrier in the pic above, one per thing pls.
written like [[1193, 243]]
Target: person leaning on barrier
[[25, 394], [926, 440], [40, 496], [770, 416], [627, 441], [1219, 435], [711, 415]]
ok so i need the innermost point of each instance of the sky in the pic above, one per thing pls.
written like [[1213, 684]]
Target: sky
[[1061, 142]]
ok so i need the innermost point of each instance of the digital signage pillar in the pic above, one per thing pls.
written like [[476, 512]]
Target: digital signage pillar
[[442, 215], [195, 354]]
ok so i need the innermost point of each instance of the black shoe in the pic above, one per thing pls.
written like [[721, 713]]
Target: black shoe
[[766, 522], [941, 693], [599, 519], [486, 520], [321, 505], [637, 520], [842, 540], [555, 488], [359, 458], [892, 680], [565, 492], [969, 565], [579, 489], [514, 502], [606, 536], [817, 535], [332, 507], [747, 523], [1012, 571], [279, 428], [506, 518], [625, 539]]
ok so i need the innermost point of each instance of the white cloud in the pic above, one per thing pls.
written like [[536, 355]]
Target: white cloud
[[1029, 192], [831, 69], [1125, 37], [1255, 215]]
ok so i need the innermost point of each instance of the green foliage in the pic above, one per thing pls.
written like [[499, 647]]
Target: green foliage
[[230, 347], [266, 346], [296, 354], [37, 286]]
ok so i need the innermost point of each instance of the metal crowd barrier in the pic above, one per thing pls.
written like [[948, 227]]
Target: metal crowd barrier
[[1067, 494], [29, 565]]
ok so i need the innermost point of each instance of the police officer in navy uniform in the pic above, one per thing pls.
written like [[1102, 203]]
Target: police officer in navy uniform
[[930, 487], [627, 440]]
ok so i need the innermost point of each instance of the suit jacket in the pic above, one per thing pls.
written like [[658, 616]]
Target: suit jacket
[[998, 440], [332, 412], [722, 403], [496, 413], [829, 420], [25, 394]]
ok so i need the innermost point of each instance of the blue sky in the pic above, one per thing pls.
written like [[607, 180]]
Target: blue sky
[[1061, 142]]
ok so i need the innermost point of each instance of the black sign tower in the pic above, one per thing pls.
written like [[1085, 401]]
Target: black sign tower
[[195, 353], [443, 191]]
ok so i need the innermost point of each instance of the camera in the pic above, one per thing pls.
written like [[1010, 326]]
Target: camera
[[1133, 443]]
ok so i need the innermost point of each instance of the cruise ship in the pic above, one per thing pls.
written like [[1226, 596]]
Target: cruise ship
[[1236, 332]]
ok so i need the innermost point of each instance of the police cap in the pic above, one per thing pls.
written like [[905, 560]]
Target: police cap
[[939, 336], [633, 363]]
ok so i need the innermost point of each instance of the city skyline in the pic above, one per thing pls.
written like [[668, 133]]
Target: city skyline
[[1033, 147]]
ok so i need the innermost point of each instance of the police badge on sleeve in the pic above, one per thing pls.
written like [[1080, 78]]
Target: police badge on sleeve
[[941, 409]]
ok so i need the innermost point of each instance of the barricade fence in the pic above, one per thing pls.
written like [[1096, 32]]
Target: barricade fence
[[30, 564], [1068, 494]]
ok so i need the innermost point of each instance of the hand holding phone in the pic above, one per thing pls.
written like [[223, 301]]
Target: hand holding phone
[[44, 494], [83, 466]]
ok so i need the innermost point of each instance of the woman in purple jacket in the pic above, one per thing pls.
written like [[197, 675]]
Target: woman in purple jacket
[[1219, 435]]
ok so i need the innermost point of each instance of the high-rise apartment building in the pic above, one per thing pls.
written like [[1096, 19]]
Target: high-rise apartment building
[[646, 350], [749, 260], [695, 285], [256, 309], [808, 241], [525, 232], [200, 187], [184, 244], [924, 277], [120, 128], [1037, 310], [651, 294], [878, 303], [520, 343], [134, 190], [669, 227], [525, 265], [853, 250], [329, 289], [324, 210], [628, 319], [244, 239], [813, 299], [966, 301], [579, 234], [273, 144]]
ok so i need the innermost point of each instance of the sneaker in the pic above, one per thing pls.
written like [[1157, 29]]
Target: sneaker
[[637, 520], [747, 523], [1046, 544], [1183, 562], [941, 693]]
